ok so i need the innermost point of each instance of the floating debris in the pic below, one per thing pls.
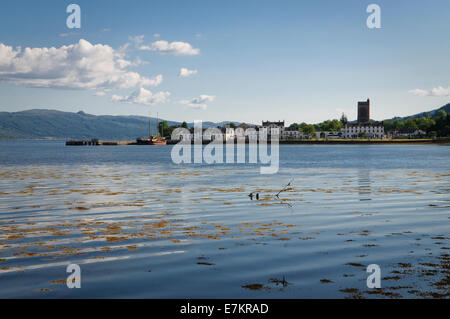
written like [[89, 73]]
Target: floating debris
[[282, 282], [254, 287], [325, 281], [285, 188]]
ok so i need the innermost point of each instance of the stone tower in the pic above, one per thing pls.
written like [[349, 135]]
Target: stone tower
[[364, 112]]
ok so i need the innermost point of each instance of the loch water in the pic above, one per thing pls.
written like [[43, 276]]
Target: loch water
[[140, 226]]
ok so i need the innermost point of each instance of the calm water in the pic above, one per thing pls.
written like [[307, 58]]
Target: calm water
[[142, 227]]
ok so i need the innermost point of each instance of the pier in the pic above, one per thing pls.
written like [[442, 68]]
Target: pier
[[96, 142]]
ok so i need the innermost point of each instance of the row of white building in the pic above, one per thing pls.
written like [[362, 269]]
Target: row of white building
[[362, 128], [267, 129]]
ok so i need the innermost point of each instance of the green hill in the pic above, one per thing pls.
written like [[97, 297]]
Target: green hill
[[40, 124], [52, 124], [432, 113]]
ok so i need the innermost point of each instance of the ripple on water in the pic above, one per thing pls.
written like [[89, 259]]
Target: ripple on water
[[184, 232]]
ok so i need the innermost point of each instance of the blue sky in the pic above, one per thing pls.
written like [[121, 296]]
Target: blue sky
[[299, 61]]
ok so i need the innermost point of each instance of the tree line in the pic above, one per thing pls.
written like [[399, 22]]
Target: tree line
[[328, 125], [166, 131], [438, 125]]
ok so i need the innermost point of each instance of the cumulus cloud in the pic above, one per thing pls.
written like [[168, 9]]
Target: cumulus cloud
[[438, 91], [173, 48], [77, 66], [138, 61], [199, 102], [155, 81], [184, 73], [142, 96]]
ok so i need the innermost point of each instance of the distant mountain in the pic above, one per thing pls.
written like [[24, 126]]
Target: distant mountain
[[432, 113], [52, 124]]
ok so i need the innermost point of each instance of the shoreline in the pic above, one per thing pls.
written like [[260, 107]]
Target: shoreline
[[288, 142], [368, 142]]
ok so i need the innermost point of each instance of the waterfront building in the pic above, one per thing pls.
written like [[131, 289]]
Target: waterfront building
[[368, 130], [409, 133], [292, 134], [328, 134], [364, 127], [269, 125]]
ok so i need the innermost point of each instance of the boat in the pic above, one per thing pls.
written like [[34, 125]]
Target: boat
[[152, 139]]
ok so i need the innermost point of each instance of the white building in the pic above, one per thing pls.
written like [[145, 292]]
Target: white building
[[243, 131], [270, 125], [409, 133], [327, 134], [369, 130], [292, 134], [363, 127]]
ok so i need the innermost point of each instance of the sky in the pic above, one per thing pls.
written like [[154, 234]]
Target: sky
[[246, 61]]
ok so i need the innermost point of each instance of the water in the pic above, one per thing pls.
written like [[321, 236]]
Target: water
[[141, 227]]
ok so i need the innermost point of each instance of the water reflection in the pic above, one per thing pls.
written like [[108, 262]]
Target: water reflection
[[364, 185]]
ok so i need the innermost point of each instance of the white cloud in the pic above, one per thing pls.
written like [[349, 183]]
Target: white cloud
[[142, 96], [184, 73], [137, 39], [438, 91], [173, 48], [76, 66], [138, 61], [156, 35], [100, 93], [121, 51], [419, 92], [199, 102]]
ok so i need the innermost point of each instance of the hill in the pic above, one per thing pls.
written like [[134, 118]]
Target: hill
[[52, 124], [432, 113]]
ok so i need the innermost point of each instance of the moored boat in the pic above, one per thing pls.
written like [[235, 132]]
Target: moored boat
[[151, 141]]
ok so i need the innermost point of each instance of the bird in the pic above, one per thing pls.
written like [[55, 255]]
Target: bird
[[251, 196], [257, 196]]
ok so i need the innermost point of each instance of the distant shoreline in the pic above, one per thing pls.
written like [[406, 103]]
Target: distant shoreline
[[443, 141], [309, 142], [353, 142]]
